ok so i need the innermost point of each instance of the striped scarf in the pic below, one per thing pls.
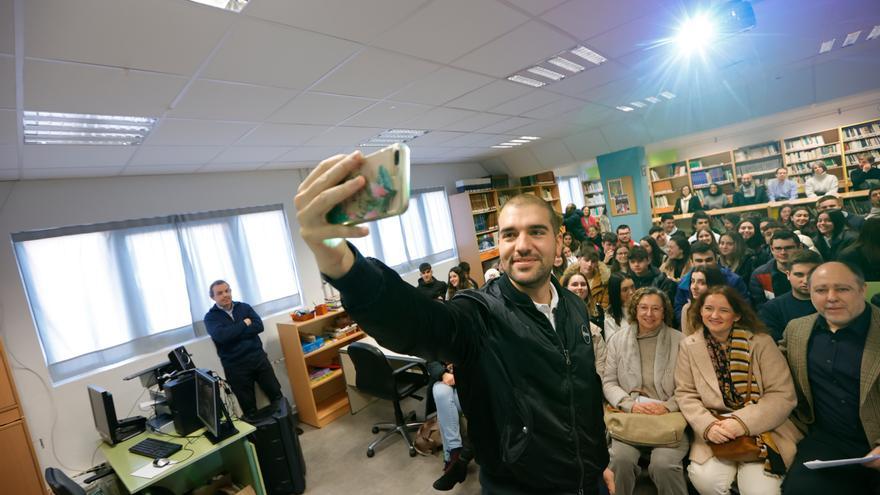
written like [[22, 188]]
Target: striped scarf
[[732, 363]]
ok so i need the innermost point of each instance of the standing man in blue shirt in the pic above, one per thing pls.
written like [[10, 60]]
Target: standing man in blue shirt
[[782, 188], [235, 327]]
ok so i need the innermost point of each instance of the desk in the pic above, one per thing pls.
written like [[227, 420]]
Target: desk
[[356, 399], [235, 455]]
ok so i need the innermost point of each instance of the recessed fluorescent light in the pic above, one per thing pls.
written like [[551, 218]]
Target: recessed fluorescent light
[[526, 80], [637, 104], [851, 38], [667, 94], [624, 108], [589, 55], [652, 99], [566, 64], [233, 5], [530, 138], [520, 141], [549, 74], [827, 46], [510, 143], [874, 33], [501, 146], [88, 129]]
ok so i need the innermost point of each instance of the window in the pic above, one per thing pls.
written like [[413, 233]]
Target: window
[[570, 191], [101, 294], [422, 234]]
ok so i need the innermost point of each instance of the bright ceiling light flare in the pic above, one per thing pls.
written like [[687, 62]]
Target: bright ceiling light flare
[[695, 35], [624, 108]]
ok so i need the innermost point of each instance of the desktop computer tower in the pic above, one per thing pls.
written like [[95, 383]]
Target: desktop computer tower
[[279, 450], [181, 396]]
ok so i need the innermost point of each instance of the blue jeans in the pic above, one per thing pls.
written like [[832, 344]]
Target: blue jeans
[[448, 409]]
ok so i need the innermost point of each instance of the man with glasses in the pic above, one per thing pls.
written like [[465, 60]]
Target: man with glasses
[[769, 280], [704, 255]]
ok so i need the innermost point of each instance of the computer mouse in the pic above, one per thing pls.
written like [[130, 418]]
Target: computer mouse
[[161, 462]]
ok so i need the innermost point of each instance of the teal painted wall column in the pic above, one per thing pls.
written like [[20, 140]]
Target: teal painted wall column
[[628, 163]]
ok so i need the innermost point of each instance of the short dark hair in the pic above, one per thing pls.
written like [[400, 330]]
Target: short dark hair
[[700, 215], [785, 234], [531, 199], [638, 253], [871, 191], [655, 229], [803, 257], [732, 218], [465, 266], [781, 168], [215, 284], [826, 198], [702, 247], [588, 253], [622, 226], [771, 224], [609, 237], [424, 267], [666, 216]]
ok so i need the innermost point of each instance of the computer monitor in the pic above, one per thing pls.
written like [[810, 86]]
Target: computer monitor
[[209, 407], [104, 413]]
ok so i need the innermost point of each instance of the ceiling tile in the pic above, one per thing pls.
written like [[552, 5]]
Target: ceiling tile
[[66, 87], [315, 108], [269, 54], [8, 157], [7, 81], [490, 96], [476, 122], [250, 154], [281, 135], [834, 78], [387, 114], [288, 165], [429, 33], [345, 137], [312, 154], [156, 36], [581, 84], [427, 152], [548, 129], [175, 155], [434, 138], [626, 133], [7, 28], [645, 33], [526, 45], [230, 101], [535, 7], [230, 167], [558, 107], [520, 161], [375, 73], [438, 118], [58, 156], [161, 170], [551, 153], [441, 86], [585, 19], [523, 104], [179, 132], [506, 125], [790, 90], [8, 127], [475, 139], [590, 115], [361, 22], [69, 173], [586, 145]]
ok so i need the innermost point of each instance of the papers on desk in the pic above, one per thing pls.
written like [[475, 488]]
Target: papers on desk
[[149, 471], [840, 462], [647, 400]]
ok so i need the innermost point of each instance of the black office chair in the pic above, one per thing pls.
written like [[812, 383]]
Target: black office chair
[[376, 377], [61, 484]]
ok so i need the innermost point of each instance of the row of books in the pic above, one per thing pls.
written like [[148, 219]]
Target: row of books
[[758, 167], [661, 201], [755, 152], [852, 160], [870, 128], [807, 168], [473, 184], [594, 187], [813, 154], [481, 201], [484, 221], [804, 142], [670, 171], [862, 144], [711, 175], [596, 200]]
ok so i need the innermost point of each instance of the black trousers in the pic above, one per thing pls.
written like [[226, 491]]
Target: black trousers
[[242, 376], [823, 446]]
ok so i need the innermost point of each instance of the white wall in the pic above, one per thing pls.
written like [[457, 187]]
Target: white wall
[[59, 417]]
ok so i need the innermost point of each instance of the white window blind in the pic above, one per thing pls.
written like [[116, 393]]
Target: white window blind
[[101, 294], [570, 191]]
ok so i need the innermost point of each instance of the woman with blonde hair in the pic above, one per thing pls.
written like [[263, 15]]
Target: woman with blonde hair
[[733, 385]]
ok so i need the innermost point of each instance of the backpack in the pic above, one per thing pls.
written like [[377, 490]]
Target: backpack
[[428, 440]]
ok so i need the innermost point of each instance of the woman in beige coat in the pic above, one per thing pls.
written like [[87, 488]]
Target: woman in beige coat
[[730, 381]]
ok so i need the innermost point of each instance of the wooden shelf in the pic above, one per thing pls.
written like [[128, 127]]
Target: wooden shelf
[[487, 231], [334, 344], [328, 378], [823, 157], [864, 136], [768, 157], [710, 167], [862, 150], [331, 408], [807, 148], [488, 254], [484, 210]]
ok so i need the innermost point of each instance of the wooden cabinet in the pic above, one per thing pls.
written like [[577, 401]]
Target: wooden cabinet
[[19, 470], [318, 402]]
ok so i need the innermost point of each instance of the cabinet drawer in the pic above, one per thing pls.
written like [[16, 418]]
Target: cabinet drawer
[[17, 468], [9, 416]]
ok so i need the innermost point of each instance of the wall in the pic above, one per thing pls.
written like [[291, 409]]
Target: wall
[[59, 417], [627, 163]]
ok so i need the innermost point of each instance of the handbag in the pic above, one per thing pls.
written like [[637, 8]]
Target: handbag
[[645, 430], [740, 449]]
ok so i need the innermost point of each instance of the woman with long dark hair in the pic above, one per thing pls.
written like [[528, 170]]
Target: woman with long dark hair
[[653, 249], [706, 236], [735, 256], [865, 252], [678, 258], [620, 263], [785, 212], [832, 236], [802, 221], [456, 282], [748, 229], [620, 289], [702, 278], [576, 282]]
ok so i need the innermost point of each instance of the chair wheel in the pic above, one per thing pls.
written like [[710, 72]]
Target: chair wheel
[[412, 452], [375, 430], [371, 452]]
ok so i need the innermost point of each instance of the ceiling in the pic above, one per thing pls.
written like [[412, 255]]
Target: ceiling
[[285, 83]]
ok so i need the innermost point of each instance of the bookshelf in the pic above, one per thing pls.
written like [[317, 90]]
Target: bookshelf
[[475, 218], [802, 151], [319, 399], [666, 183], [858, 139], [594, 196], [713, 169]]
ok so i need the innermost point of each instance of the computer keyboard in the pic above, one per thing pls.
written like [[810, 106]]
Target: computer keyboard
[[153, 448]]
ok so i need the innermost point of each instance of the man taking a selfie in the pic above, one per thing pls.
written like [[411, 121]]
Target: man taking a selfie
[[521, 346]]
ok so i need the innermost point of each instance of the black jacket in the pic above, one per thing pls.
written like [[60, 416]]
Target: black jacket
[[838, 244], [236, 342], [859, 177], [531, 394], [854, 255], [655, 278], [434, 290], [574, 225], [739, 199], [693, 205], [777, 312], [767, 282]]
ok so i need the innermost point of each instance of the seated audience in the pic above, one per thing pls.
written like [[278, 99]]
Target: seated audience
[[730, 221], [687, 202], [609, 245], [624, 236], [714, 198], [594, 238], [456, 282], [821, 182], [646, 275], [748, 229], [731, 382], [781, 188], [702, 278], [777, 312], [569, 256], [874, 197], [707, 237], [639, 378], [699, 221], [560, 263], [659, 235], [568, 241], [456, 456], [597, 274], [767, 227], [866, 175], [785, 216], [667, 221], [466, 272], [702, 254], [735, 256], [428, 285], [769, 280], [749, 193], [802, 223], [830, 202], [833, 358], [620, 290], [650, 245], [577, 283], [678, 258], [832, 236], [621, 260], [865, 251]]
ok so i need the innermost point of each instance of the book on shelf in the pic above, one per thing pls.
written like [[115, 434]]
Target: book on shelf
[[813, 154], [596, 200], [593, 188], [479, 201], [681, 170], [487, 241], [862, 129], [661, 201], [756, 152], [862, 144], [852, 159], [654, 175], [804, 142]]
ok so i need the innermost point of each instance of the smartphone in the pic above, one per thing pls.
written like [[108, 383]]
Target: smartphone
[[386, 193]]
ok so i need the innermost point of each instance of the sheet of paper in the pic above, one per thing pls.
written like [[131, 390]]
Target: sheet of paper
[[150, 471], [646, 400], [840, 462]]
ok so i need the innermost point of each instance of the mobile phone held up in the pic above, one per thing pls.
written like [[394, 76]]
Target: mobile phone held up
[[386, 193]]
